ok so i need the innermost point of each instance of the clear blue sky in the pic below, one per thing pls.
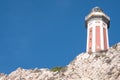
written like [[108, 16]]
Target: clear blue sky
[[48, 33]]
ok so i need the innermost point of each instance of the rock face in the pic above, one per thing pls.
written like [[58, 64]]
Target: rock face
[[104, 65]]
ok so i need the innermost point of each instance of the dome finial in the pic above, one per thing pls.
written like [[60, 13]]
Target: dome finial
[[97, 9]]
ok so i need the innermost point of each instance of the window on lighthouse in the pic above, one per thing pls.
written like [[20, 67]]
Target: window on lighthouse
[[90, 35], [97, 21]]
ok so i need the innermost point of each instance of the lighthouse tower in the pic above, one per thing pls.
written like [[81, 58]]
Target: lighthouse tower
[[97, 24]]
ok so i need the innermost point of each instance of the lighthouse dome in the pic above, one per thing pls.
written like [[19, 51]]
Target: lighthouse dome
[[97, 13]]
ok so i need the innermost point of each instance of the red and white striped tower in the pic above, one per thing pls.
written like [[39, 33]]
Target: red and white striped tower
[[97, 23]]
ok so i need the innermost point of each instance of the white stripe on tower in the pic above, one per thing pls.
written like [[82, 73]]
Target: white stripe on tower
[[93, 37], [87, 49], [102, 37], [107, 37]]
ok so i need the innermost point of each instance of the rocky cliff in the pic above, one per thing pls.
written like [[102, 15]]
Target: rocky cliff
[[104, 65]]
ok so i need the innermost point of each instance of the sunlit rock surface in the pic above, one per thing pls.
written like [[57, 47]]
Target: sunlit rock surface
[[104, 65]]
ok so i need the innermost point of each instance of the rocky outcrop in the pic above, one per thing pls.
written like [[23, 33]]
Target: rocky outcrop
[[104, 65]]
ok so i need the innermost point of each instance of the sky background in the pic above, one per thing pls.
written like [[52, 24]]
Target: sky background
[[48, 33]]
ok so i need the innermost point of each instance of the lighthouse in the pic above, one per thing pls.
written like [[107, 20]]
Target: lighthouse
[[97, 24]]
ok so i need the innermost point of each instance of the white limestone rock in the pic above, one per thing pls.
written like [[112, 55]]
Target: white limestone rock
[[104, 65]]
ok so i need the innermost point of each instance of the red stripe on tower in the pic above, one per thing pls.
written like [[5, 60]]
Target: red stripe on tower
[[90, 40], [105, 39], [98, 45]]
